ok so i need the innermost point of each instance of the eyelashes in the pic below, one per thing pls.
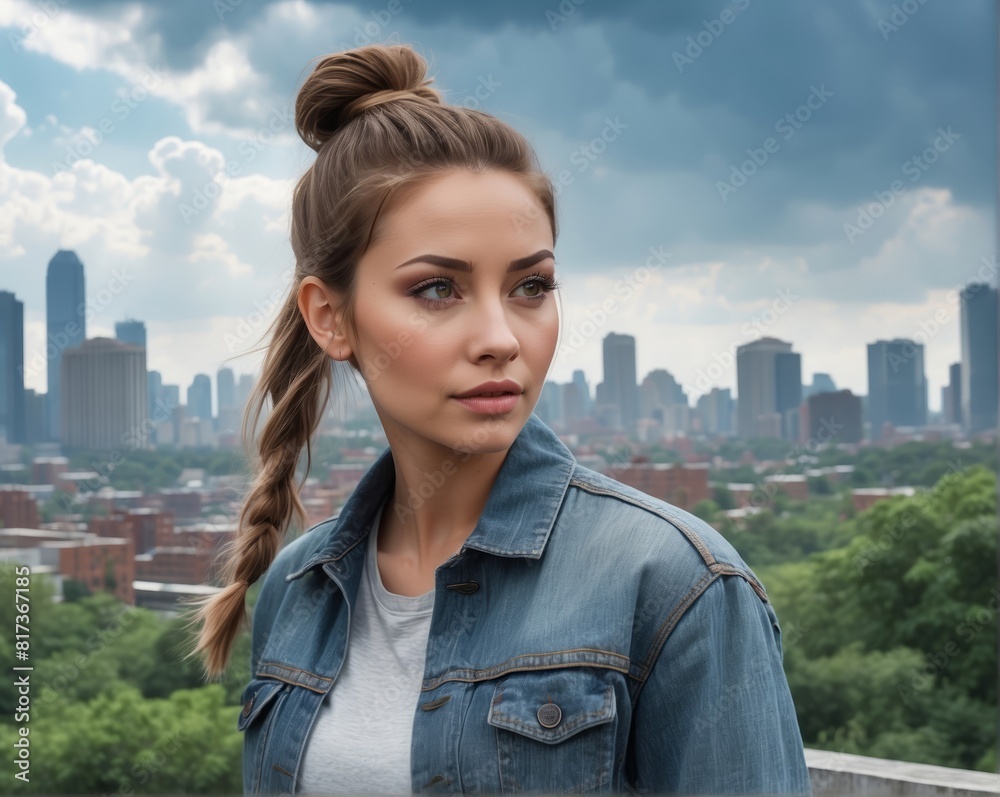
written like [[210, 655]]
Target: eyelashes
[[546, 283]]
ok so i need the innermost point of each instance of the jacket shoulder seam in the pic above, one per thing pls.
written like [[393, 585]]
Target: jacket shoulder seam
[[668, 625], [692, 536]]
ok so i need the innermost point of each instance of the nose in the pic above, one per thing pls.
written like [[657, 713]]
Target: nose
[[491, 334]]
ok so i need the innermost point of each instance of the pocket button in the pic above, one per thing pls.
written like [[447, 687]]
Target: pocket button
[[248, 705], [549, 715]]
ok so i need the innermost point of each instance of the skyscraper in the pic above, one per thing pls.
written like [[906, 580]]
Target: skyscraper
[[104, 401], [979, 356], [243, 390], [13, 421], [226, 386], [716, 411], [620, 387], [34, 417], [199, 398], [822, 383], [65, 322], [131, 331], [897, 387], [788, 391], [154, 386], [574, 402], [580, 380], [951, 396], [662, 398], [769, 388], [832, 417]]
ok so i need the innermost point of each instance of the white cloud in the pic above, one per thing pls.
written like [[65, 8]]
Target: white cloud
[[142, 257], [226, 77], [75, 39], [13, 117]]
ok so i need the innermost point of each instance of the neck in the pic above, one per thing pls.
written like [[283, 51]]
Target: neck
[[436, 502]]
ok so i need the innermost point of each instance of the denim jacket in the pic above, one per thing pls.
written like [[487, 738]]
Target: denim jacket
[[586, 637]]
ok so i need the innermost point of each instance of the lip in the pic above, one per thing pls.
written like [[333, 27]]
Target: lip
[[490, 405], [506, 386]]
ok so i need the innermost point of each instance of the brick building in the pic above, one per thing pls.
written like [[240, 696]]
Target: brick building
[[177, 565], [681, 485], [864, 497], [103, 564], [18, 508], [143, 526]]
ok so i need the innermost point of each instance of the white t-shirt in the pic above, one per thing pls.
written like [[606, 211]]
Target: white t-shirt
[[360, 741]]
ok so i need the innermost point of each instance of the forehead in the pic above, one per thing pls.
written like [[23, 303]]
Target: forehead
[[461, 204]]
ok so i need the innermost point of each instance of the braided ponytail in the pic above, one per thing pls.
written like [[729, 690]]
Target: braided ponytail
[[296, 377]]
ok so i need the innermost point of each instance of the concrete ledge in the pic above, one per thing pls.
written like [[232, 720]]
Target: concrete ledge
[[842, 773]]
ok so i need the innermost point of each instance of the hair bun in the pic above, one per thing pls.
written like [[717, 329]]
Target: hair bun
[[345, 84]]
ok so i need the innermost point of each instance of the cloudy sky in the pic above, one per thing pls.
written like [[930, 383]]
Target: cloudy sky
[[822, 173]]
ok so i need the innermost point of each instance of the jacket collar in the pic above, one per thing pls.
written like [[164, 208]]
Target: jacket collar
[[538, 467]]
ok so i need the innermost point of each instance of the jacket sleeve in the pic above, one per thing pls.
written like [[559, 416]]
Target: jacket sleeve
[[715, 714]]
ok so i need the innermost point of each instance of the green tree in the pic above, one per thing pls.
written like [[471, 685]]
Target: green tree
[[122, 743]]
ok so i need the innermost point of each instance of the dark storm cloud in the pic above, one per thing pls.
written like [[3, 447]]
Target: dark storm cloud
[[746, 62], [784, 103]]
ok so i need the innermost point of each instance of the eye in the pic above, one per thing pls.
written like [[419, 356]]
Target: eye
[[443, 290], [538, 285]]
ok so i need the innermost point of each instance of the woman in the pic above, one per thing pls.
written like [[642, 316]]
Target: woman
[[484, 614]]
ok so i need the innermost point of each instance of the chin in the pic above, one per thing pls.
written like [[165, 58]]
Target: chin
[[486, 434]]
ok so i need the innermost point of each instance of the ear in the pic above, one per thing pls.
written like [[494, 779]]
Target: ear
[[323, 310]]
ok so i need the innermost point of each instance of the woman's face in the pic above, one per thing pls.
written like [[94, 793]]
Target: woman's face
[[430, 329]]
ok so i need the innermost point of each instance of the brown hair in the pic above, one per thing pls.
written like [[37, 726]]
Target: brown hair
[[379, 131]]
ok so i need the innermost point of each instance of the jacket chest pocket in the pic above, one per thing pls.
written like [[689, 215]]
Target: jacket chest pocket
[[555, 729], [261, 700]]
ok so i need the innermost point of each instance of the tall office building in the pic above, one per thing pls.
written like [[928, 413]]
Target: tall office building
[[574, 402], [662, 398], [979, 357], [769, 386], [226, 386], [35, 419], [154, 387], [832, 417], [549, 404], [715, 409], [620, 387], [65, 323], [822, 383], [169, 398], [199, 398], [104, 400], [13, 421], [897, 387], [131, 331], [243, 390], [580, 380], [171, 395], [951, 396]]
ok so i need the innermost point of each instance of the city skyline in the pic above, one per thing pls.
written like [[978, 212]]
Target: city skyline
[[66, 329], [836, 192], [106, 390]]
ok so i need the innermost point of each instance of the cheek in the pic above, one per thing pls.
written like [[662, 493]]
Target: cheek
[[540, 341], [411, 353]]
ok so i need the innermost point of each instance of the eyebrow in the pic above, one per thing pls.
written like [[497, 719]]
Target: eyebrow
[[519, 264]]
